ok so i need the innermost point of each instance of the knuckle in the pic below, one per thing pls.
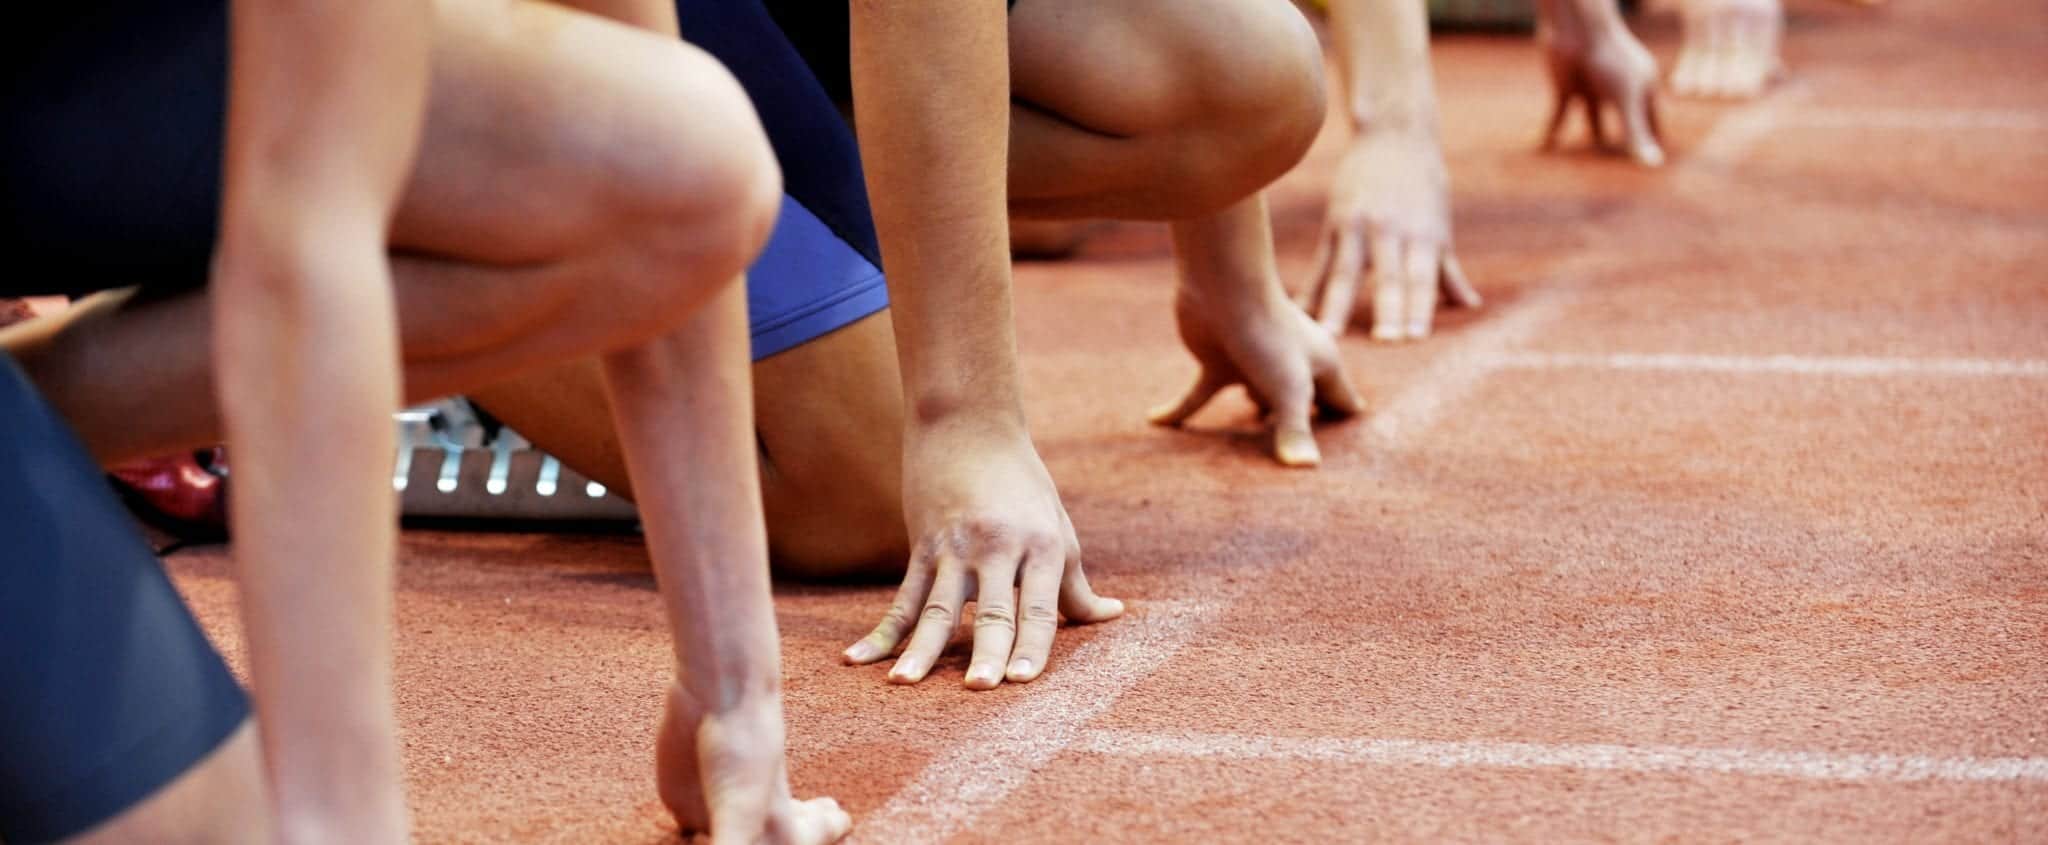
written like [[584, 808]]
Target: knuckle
[[896, 617], [994, 616], [1040, 612], [938, 613]]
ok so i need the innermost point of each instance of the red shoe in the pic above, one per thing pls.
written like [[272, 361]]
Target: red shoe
[[178, 494]]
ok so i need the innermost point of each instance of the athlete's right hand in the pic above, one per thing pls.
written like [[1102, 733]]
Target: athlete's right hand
[[725, 775], [987, 526], [1603, 66]]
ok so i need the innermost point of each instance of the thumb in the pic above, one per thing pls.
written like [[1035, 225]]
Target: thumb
[[1206, 386]]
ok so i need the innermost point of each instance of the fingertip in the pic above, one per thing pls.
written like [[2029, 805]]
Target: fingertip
[[1022, 671], [1648, 154], [1297, 449], [859, 653], [1097, 609], [905, 672], [982, 678], [1388, 331]]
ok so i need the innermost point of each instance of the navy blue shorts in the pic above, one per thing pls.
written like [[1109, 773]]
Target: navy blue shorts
[[108, 689], [114, 119]]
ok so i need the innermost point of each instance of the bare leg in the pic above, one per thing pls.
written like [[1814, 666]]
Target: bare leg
[[1150, 109], [217, 802], [1156, 109], [829, 415], [569, 164]]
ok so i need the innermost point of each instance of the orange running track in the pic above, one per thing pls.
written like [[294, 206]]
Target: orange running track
[[1723, 520]]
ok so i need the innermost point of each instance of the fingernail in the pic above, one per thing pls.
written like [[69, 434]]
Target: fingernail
[[982, 676], [1020, 668], [1386, 331], [860, 652], [1418, 330], [1298, 454]]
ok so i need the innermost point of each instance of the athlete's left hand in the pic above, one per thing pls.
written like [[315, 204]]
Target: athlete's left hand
[[1731, 48], [1286, 362], [1390, 212]]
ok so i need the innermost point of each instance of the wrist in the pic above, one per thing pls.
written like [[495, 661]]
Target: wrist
[[974, 407], [1410, 112]]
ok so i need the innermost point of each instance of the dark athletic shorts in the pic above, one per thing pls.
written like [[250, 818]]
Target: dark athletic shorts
[[108, 689], [114, 118]]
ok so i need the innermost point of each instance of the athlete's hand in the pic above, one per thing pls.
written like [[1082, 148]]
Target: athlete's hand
[[1286, 362], [1390, 210], [988, 527], [1731, 48], [724, 775], [1603, 66]]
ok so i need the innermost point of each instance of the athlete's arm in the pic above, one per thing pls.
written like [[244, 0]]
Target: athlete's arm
[[1390, 203], [324, 112], [932, 98]]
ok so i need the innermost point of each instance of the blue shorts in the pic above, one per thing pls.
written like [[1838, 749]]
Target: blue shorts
[[822, 267], [108, 689], [115, 112]]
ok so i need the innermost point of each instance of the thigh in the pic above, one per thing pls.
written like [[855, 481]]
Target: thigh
[[1137, 67], [548, 126], [830, 416]]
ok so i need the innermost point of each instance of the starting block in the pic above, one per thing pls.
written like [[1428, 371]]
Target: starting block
[[451, 465]]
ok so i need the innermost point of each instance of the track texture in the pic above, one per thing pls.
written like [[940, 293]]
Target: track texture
[[1723, 520]]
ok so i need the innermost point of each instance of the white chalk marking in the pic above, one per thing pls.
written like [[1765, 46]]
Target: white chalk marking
[[1788, 364], [1010, 746], [1806, 765], [1734, 136], [1453, 375], [953, 790], [1939, 120]]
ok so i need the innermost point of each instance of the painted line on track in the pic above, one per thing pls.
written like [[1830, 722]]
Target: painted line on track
[[1804, 765], [1937, 120], [1787, 364], [1734, 136], [954, 789], [1454, 374]]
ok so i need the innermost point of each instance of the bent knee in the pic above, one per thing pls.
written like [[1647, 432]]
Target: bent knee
[[1259, 71], [699, 190]]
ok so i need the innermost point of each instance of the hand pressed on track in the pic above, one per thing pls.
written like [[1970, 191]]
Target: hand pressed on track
[[1603, 66], [1731, 48], [723, 776], [1287, 363], [1390, 212], [988, 527]]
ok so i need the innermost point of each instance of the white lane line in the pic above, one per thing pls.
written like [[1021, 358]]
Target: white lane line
[[952, 791], [1943, 120], [1805, 765], [1734, 135], [1014, 743], [1791, 364], [1453, 375]]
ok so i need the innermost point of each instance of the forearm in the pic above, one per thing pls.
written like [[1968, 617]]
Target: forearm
[[1226, 259], [1383, 56], [325, 108], [684, 406], [308, 386], [1568, 20], [932, 100]]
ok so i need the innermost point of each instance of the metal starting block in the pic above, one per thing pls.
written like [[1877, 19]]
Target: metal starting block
[[451, 466], [1483, 14]]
